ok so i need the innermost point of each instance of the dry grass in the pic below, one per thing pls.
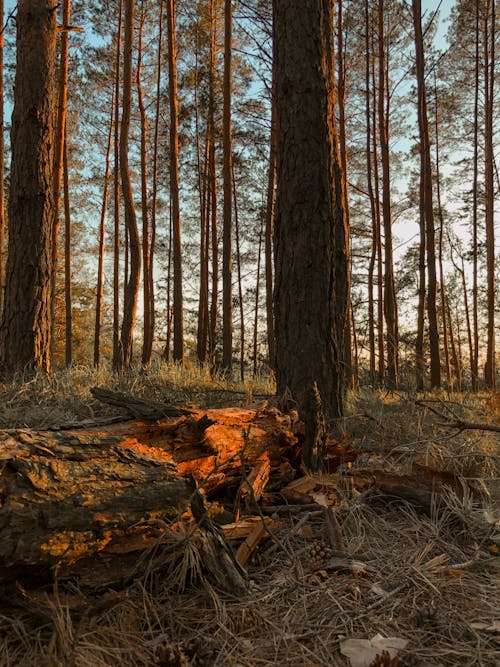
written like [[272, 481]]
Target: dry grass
[[428, 579]]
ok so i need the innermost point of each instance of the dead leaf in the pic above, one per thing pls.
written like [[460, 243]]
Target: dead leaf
[[488, 627], [362, 652]]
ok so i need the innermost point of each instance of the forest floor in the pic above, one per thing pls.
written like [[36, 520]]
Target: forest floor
[[428, 581]]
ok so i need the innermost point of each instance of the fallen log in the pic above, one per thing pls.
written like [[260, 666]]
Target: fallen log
[[71, 498]]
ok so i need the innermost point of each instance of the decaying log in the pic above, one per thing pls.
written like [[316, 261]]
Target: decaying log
[[69, 496]]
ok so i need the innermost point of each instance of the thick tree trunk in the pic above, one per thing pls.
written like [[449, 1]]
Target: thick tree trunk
[[311, 239], [78, 499], [26, 322]]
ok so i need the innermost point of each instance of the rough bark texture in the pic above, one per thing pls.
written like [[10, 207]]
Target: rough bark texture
[[311, 262], [25, 330], [92, 495]]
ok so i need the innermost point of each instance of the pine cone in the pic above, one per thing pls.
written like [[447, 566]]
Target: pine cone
[[384, 660], [320, 553]]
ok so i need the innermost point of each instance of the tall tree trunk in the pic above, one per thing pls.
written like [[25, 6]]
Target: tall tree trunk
[[203, 194], [117, 355], [257, 297], [311, 237], [238, 268], [148, 334], [178, 351], [102, 237], [25, 333], [132, 284], [442, 286], [2, 162], [390, 306], [475, 200], [426, 203], [68, 304], [489, 196], [371, 196], [154, 194], [349, 375], [419, 342], [378, 233], [269, 231], [212, 190], [59, 155], [227, 249]]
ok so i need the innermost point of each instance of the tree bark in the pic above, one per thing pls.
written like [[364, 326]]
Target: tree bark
[[132, 283], [178, 351], [311, 237], [2, 162], [489, 196], [26, 321], [148, 333], [227, 233], [71, 499], [59, 155], [116, 199], [390, 305], [102, 236]]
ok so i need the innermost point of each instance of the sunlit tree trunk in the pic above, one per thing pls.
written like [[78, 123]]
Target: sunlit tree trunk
[[154, 193], [116, 200], [25, 332], [371, 196], [68, 305], [178, 350], [202, 168], [227, 235], [148, 333], [132, 283], [311, 236], [212, 191]]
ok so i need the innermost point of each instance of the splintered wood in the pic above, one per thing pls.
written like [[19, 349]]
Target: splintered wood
[[69, 496]]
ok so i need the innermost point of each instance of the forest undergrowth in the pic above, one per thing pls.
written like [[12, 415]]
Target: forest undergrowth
[[428, 578]]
